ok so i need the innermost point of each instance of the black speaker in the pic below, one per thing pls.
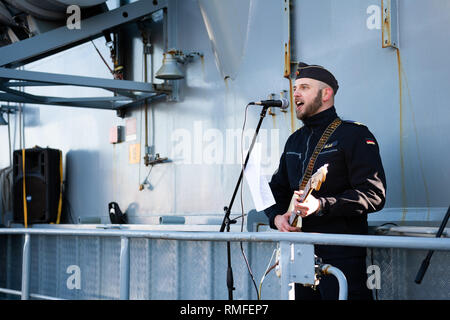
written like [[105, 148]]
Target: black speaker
[[42, 185]]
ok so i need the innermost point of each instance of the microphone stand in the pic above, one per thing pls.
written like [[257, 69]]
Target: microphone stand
[[426, 261], [226, 220]]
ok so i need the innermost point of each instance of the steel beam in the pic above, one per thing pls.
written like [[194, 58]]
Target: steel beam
[[109, 103], [15, 84], [24, 95], [70, 102], [80, 81], [62, 38], [131, 93]]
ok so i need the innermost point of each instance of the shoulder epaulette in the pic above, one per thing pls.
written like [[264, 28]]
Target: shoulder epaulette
[[354, 122]]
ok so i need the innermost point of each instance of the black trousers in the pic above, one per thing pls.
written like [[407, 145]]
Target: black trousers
[[354, 270]]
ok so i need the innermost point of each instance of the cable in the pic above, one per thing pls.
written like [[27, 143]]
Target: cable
[[6, 176], [101, 56], [242, 204], [242, 168], [68, 206], [58, 217], [23, 125], [25, 211], [388, 223], [242, 165], [141, 186], [9, 141], [20, 127], [268, 269], [385, 224], [22, 119]]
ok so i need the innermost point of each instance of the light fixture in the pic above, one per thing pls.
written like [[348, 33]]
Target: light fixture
[[170, 69]]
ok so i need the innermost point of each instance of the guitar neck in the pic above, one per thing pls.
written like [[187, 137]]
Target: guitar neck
[[313, 183], [307, 191], [302, 198]]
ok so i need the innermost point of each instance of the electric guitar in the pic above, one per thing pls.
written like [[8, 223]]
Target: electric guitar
[[314, 183]]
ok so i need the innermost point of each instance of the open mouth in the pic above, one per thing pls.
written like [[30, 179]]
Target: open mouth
[[299, 104]]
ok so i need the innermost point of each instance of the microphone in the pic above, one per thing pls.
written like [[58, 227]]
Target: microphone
[[282, 103]]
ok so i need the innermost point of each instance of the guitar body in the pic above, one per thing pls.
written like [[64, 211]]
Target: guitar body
[[314, 183]]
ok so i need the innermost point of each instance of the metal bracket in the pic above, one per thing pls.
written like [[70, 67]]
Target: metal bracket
[[297, 264], [390, 29]]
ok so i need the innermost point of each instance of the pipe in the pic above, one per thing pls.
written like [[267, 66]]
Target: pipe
[[32, 295], [340, 276], [147, 156], [371, 241], [171, 220], [10, 291]]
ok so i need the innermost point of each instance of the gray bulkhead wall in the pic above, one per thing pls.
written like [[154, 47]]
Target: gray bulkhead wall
[[398, 94], [201, 132]]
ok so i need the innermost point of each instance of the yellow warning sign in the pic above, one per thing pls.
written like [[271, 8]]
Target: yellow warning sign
[[134, 153]]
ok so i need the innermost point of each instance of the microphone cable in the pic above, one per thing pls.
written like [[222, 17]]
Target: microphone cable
[[242, 204]]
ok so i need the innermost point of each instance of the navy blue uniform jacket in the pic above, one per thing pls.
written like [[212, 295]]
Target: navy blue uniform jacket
[[355, 184]]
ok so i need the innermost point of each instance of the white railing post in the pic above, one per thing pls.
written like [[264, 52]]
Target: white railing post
[[26, 261], [124, 268]]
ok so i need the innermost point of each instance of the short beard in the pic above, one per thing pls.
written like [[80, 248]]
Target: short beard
[[311, 109]]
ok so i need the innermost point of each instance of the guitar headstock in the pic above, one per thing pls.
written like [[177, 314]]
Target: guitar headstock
[[319, 177]]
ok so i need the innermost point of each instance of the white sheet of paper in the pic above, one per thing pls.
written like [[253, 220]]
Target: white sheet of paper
[[259, 187]]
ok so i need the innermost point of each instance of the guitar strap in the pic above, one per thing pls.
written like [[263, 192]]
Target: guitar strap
[[325, 136], [312, 161]]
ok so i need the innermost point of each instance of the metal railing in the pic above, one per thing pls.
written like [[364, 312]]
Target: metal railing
[[305, 239]]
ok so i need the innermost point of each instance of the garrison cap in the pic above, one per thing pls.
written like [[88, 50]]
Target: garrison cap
[[318, 73]]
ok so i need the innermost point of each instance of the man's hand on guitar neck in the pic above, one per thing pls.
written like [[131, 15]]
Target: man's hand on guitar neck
[[309, 206], [304, 209], [282, 223]]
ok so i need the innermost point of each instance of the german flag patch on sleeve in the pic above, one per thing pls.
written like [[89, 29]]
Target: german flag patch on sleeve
[[370, 141]]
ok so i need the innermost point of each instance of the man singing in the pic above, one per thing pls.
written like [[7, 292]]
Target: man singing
[[355, 184]]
